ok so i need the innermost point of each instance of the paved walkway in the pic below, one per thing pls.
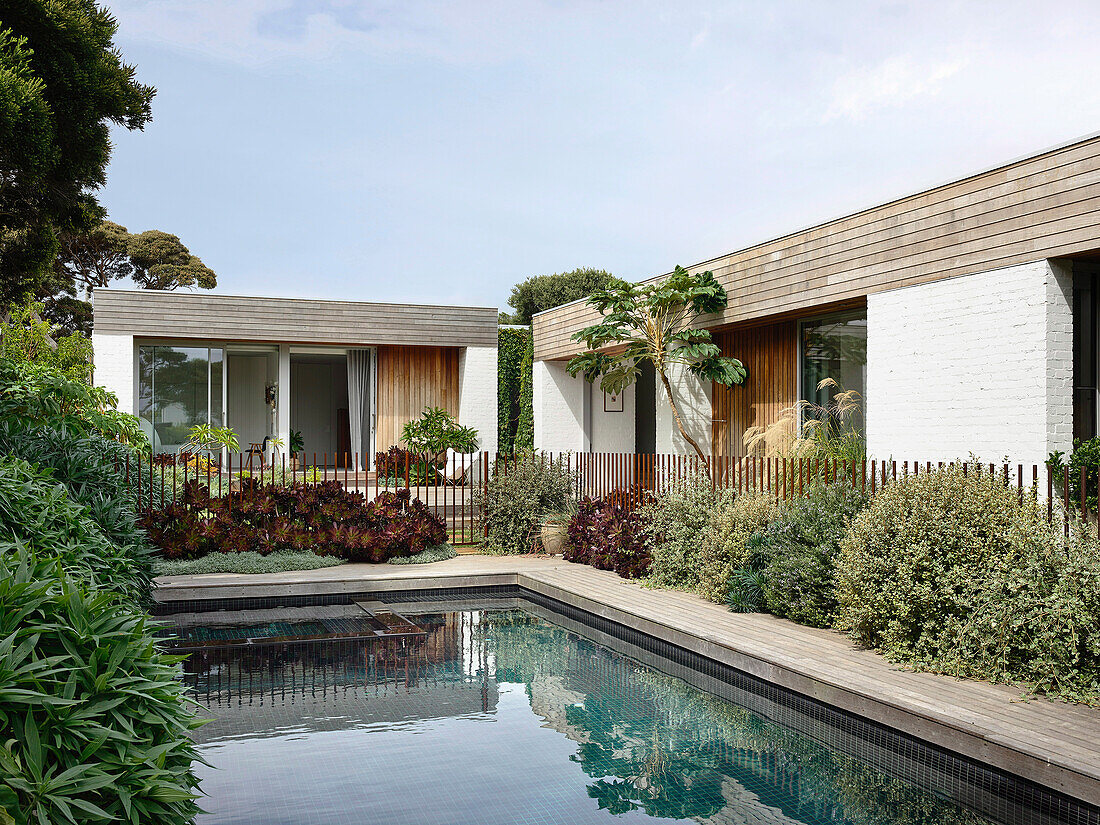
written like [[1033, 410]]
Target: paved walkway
[[1052, 743]]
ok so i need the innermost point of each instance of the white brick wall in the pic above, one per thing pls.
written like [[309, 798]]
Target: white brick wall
[[612, 432], [477, 393], [693, 401], [559, 405], [977, 364], [113, 357]]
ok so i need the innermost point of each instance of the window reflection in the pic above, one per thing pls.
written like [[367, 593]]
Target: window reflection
[[178, 387], [834, 348]]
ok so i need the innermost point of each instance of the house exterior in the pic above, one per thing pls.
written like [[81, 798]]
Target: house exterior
[[966, 316], [347, 375]]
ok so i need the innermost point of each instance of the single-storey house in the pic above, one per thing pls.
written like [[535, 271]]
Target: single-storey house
[[965, 315], [346, 375]]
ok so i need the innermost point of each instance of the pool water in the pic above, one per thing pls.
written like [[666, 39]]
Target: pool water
[[504, 716]]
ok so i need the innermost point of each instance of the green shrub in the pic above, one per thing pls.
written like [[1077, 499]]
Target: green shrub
[[33, 394], [800, 547], [674, 522], [92, 468], [724, 545], [246, 562], [435, 432], [957, 574], [513, 380], [94, 717], [521, 490], [441, 552], [27, 338], [1085, 456], [37, 512]]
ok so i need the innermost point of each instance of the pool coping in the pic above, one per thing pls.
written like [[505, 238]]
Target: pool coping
[[1055, 745]]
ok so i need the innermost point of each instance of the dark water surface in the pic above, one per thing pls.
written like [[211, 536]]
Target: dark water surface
[[504, 717]]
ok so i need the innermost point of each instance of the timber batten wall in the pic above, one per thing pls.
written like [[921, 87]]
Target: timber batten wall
[[410, 379], [1040, 207]]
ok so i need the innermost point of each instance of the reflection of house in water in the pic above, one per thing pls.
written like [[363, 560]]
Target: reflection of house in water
[[272, 689]]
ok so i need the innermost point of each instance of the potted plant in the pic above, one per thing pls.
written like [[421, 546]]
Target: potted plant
[[297, 445], [554, 529]]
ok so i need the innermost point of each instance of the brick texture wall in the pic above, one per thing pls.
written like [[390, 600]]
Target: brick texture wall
[[113, 357], [978, 364]]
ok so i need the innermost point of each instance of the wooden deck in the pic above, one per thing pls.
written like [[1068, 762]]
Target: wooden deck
[[1054, 744]]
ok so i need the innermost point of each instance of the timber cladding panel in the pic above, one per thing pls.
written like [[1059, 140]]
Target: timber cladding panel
[[154, 314], [770, 353], [1040, 207], [410, 379]]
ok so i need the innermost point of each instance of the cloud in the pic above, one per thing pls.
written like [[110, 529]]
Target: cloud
[[893, 82]]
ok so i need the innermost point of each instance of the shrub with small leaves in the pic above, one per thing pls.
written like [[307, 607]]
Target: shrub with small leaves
[[608, 536], [724, 545], [674, 522], [958, 573], [800, 547], [521, 491]]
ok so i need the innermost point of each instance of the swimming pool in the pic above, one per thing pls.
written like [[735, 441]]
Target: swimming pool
[[512, 713]]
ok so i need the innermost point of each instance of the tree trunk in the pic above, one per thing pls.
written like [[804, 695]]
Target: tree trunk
[[680, 423]]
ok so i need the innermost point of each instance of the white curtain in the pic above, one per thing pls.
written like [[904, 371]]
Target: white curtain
[[359, 413]]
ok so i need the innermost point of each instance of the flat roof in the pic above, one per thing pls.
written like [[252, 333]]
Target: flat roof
[[147, 313]]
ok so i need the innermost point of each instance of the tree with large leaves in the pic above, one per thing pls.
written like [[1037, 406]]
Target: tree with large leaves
[[656, 322], [63, 84]]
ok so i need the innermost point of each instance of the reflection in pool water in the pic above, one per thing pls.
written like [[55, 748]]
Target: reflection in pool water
[[501, 717]]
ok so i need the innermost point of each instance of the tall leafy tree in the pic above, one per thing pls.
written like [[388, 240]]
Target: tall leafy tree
[[63, 84], [542, 292], [656, 322], [107, 253]]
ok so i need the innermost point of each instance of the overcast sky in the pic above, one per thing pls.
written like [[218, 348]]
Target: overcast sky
[[425, 152]]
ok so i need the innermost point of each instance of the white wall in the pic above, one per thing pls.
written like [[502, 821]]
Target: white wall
[[560, 403], [693, 399], [977, 364], [611, 432], [113, 356], [477, 393]]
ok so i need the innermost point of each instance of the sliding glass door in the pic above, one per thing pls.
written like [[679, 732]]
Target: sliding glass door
[[178, 387]]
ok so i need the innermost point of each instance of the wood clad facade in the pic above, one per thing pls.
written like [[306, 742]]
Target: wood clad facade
[[1040, 207], [770, 353], [410, 379], [153, 314]]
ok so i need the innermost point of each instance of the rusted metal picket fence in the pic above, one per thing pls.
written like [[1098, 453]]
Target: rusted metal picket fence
[[457, 491]]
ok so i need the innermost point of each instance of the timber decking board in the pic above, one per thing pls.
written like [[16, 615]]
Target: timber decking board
[[1039, 207], [1055, 744], [185, 315]]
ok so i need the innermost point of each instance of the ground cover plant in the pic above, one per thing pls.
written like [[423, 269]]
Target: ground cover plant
[[324, 518], [441, 552], [606, 535], [520, 492], [958, 573], [247, 562]]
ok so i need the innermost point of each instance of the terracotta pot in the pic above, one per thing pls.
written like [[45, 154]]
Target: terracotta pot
[[553, 538]]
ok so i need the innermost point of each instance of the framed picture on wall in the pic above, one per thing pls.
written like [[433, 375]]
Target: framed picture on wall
[[612, 403]]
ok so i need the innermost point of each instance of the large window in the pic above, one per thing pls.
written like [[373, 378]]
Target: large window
[[178, 387], [834, 347]]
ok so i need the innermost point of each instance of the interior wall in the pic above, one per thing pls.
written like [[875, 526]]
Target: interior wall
[[770, 354], [319, 403], [247, 412], [410, 379]]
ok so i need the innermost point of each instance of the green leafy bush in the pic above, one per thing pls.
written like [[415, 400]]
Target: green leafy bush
[[92, 469], [36, 511], [724, 545], [959, 574], [674, 522], [1085, 456], [800, 547], [521, 490], [513, 378], [247, 562], [96, 722], [435, 432], [26, 338], [32, 394]]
